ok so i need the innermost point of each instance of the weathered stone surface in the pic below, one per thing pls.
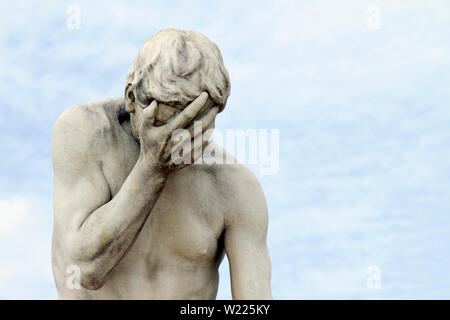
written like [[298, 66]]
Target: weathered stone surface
[[129, 223]]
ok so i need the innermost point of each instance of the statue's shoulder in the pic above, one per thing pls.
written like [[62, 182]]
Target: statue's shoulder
[[82, 125], [95, 113], [237, 189], [228, 173], [236, 177]]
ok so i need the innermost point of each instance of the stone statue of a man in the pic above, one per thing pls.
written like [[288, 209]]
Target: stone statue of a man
[[132, 222]]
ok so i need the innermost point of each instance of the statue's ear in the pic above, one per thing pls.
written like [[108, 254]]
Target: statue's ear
[[129, 98]]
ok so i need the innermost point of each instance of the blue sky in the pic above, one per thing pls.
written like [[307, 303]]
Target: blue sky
[[363, 115]]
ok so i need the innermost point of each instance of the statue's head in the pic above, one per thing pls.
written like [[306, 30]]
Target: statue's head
[[174, 67]]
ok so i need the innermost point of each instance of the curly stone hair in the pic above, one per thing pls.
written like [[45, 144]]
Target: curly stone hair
[[175, 66]]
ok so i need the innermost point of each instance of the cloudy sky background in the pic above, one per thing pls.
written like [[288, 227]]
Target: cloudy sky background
[[363, 114]]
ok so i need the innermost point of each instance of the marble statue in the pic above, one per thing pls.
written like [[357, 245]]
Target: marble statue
[[130, 221]]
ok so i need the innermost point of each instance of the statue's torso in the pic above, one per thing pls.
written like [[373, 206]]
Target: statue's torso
[[178, 251]]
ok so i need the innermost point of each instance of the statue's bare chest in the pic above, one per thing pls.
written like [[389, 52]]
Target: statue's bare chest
[[184, 225]]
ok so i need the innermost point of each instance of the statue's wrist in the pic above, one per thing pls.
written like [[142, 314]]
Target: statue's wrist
[[151, 166]]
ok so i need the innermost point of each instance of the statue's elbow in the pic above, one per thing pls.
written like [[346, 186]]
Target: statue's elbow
[[92, 277], [91, 271], [90, 267]]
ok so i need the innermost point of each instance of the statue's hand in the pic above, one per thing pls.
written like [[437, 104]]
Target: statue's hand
[[156, 143]]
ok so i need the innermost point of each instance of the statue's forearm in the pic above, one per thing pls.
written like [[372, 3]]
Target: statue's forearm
[[107, 233]]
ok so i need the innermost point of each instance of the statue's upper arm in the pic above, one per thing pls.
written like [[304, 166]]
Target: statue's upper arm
[[245, 239], [248, 213], [79, 184]]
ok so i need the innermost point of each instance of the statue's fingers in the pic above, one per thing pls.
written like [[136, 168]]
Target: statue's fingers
[[197, 152], [189, 113], [177, 146], [194, 150], [187, 150], [206, 122]]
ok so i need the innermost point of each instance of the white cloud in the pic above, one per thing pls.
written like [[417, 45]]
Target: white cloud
[[25, 233], [13, 213]]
